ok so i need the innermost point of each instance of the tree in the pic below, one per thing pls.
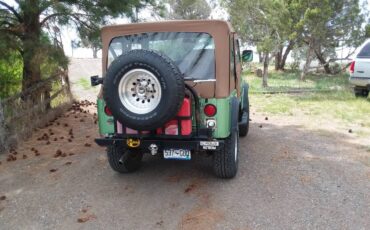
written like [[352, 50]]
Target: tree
[[21, 25], [10, 73], [326, 25], [90, 38], [367, 31], [290, 34], [188, 9], [281, 17], [259, 23]]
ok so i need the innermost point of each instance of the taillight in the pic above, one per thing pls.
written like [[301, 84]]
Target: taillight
[[352, 67], [210, 110], [107, 111]]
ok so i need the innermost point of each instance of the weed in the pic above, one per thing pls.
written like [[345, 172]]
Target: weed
[[84, 83]]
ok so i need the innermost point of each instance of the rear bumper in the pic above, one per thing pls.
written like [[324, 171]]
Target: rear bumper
[[360, 81], [194, 144]]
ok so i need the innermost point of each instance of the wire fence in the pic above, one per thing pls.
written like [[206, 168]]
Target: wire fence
[[21, 114]]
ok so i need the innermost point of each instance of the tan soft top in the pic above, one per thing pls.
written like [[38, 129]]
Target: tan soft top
[[219, 30]]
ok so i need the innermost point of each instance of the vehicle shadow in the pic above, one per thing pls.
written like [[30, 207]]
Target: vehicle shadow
[[271, 144], [309, 174]]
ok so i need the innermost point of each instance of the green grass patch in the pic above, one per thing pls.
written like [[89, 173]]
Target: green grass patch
[[286, 81], [333, 100], [84, 83], [331, 104]]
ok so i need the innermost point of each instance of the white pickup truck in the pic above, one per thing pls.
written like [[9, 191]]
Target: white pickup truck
[[360, 71]]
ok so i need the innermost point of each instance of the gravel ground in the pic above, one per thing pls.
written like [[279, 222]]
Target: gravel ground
[[289, 178]]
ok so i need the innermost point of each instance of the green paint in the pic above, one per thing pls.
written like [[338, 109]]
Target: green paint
[[106, 125], [222, 117]]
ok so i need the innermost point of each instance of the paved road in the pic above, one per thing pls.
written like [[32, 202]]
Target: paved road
[[80, 70], [289, 178]]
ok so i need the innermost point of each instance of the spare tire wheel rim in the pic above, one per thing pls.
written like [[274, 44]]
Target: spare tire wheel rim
[[140, 91]]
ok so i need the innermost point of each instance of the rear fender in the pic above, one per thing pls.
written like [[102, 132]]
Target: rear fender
[[244, 99], [106, 123], [234, 110]]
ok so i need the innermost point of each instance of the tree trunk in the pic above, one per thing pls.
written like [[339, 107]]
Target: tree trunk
[[2, 128], [322, 61], [32, 57], [265, 69], [278, 58], [135, 15], [260, 57], [47, 95], [308, 62], [285, 56], [95, 52]]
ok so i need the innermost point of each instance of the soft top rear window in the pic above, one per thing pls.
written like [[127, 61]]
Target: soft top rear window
[[365, 51], [192, 52]]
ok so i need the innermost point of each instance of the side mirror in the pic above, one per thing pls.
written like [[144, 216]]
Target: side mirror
[[247, 56], [95, 80]]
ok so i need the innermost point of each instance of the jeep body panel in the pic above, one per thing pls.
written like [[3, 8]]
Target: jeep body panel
[[222, 130], [105, 122]]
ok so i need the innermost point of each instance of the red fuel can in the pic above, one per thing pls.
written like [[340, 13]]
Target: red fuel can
[[185, 112], [183, 118]]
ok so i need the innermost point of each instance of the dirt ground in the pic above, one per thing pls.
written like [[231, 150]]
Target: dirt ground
[[290, 177]]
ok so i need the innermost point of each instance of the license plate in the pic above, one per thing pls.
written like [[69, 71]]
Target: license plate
[[177, 154], [209, 145]]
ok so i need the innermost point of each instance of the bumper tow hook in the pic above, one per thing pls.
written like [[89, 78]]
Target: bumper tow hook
[[153, 148]]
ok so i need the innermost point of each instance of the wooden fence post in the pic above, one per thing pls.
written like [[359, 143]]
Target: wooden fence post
[[2, 128]]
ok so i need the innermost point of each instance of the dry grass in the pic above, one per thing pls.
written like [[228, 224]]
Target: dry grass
[[339, 105]]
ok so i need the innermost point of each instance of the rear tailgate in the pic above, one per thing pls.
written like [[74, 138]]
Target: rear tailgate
[[362, 68]]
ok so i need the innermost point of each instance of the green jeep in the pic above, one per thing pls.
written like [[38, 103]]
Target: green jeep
[[174, 89]]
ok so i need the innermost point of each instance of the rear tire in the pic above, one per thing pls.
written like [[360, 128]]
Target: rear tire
[[131, 159], [244, 127], [361, 93], [225, 161]]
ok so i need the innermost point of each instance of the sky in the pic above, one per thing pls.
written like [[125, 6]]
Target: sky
[[69, 34]]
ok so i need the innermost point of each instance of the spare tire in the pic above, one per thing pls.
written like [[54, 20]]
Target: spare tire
[[144, 89]]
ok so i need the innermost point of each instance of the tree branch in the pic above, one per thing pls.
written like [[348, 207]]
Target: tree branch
[[11, 31], [82, 22], [50, 16], [73, 15], [3, 23], [11, 9]]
